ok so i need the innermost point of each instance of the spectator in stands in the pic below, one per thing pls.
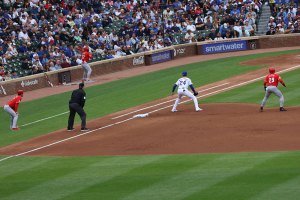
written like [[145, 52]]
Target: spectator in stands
[[14, 75], [189, 37], [280, 29], [37, 70], [11, 52], [248, 27], [25, 64], [271, 23], [213, 34], [23, 35], [6, 76], [243, 32], [36, 61], [271, 31], [99, 23], [224, 28], [65, 61], [52, 66]]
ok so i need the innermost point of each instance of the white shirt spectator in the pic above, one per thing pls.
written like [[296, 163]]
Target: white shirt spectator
[[23, 35], [191, 27], [23, 19], [189, 36], [248, 27], [208, 16]]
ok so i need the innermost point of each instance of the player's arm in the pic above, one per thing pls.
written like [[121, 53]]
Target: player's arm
[[281, 81], [192, 88], [174, 88], [17, 102], [82, 100], [265, 82]]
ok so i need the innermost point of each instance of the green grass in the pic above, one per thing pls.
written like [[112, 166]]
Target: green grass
[[254, 93], [119, 95], [191, 177]]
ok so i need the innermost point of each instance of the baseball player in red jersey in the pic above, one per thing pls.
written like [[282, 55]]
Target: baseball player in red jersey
[[86, 56], [12, 108], [270, 85]]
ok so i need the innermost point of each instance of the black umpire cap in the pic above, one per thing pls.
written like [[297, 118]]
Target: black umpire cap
[[81, 85]]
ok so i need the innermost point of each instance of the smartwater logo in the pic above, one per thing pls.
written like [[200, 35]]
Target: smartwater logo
[[29, 83], [224, 47]]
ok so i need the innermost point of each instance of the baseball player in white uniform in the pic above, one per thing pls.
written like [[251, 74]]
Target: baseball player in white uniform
[[183, 84]]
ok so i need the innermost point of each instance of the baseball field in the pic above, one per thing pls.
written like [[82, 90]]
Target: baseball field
[[229, 150]]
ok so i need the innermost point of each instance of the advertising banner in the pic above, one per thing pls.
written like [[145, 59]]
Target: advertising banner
[[161, 57], [223, 47]]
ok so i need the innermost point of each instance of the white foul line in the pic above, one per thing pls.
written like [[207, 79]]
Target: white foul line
[[120, 122], [44, 119], [66, 139], [164, 102]]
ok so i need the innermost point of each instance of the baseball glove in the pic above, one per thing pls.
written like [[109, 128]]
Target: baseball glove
[[196, 93]]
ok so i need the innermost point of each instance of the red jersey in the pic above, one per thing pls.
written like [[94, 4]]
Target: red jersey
[[86, 56], [272, 80], [14, 103]]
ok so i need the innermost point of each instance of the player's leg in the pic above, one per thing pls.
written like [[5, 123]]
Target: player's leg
[[82, 115], [14, 116], [84, 72], [15, 120], [266, 97], [279, 94], [11, 121], [177, 101], [195, 100], [89, 72], [71, 117]]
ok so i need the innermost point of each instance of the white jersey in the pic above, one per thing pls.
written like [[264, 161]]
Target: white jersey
[[183, 83]]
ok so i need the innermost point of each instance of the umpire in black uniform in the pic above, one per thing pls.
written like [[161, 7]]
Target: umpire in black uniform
[[76, 105]]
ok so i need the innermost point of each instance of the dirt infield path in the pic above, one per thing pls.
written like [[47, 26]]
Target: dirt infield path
[[219, 128]]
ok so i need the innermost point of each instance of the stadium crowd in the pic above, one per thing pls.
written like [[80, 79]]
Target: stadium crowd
[[47, 35], [285, 17]]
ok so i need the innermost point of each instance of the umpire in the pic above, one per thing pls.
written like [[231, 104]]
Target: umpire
[[76, 105]]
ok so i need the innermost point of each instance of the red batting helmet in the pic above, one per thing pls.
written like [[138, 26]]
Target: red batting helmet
[[20, 92], [271, 70]]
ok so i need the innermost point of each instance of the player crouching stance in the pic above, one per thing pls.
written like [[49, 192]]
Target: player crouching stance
[[270, 85], [183, 83], [12, 109]]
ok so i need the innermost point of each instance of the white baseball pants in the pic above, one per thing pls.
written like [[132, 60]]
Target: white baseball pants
[[276, 91], [87, 71], [13, 115], [184, 92]]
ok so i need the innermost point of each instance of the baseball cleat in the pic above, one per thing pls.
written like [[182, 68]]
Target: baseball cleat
[[282, 109], [261, 109], [174, 110], [15, 129], [198, 110], [85, 129], [71, 129]]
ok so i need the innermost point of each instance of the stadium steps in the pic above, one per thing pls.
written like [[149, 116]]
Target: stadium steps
[[263, 20]]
